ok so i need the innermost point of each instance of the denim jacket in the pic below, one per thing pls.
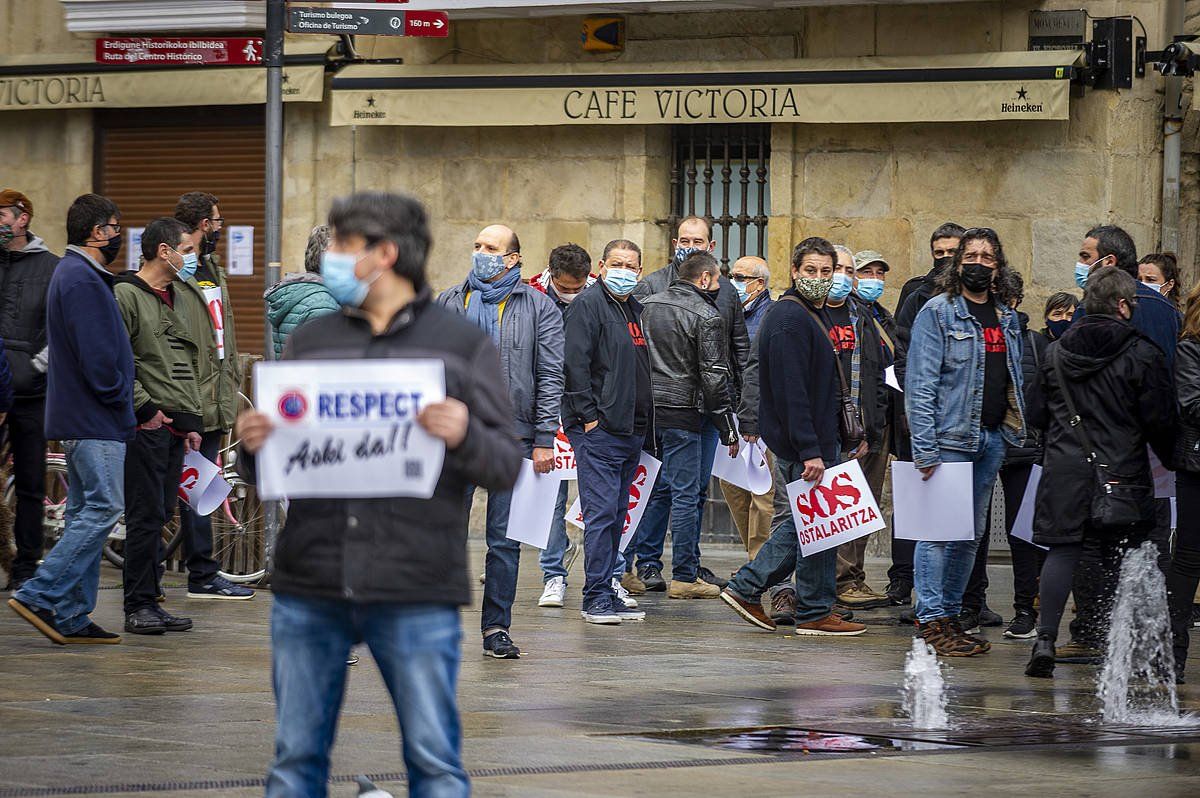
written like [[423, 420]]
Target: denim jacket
[[943, 386]]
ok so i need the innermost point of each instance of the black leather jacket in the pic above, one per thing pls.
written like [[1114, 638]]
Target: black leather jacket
[[731, 310], [1187, 389], [689, 357]]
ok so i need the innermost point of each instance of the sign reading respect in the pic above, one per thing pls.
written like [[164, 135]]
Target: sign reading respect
[[347, 429]]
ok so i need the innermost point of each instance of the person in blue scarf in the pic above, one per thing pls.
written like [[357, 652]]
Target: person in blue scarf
[[527, 328]]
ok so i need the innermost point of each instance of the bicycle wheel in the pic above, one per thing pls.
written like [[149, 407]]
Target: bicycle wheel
[[239, 534], [114, 549]]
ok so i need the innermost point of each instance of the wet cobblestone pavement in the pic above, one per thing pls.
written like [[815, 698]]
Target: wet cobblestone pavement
[[671, 706]]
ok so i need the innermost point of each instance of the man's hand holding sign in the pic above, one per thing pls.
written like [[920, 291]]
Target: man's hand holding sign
[[836, 509]]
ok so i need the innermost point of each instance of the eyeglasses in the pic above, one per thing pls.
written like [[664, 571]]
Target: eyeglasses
[[217, 221], [745, 278], [116, 228]]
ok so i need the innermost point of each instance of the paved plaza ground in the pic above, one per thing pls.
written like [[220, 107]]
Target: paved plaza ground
[[589, 711]]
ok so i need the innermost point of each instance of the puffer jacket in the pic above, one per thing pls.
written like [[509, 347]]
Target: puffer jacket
[[689, 362], [1033, 354], [1121, 387], [166, 356], [730, 308], [405, 550], [531, 358], [24, 281], [1187, 388], [295, 300]]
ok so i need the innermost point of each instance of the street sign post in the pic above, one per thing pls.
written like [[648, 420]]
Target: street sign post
[[370, 22]]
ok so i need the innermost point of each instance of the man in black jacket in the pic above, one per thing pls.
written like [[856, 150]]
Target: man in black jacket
[[693, 235], [391, 572], [798, 418], [608, 413], [690, 368], [25, 270]]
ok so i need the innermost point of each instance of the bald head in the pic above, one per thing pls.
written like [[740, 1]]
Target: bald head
[[499, 239], [751, 272]]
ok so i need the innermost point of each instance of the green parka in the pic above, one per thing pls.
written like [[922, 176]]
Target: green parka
[[219, 379]]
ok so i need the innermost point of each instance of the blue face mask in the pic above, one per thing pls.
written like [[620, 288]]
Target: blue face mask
[[1082, 270], [620, 281], [683, 253], [1056, 327], [870, 289], [843, 284], [742, 293], [337, 269], [188, 270], [486, 265]]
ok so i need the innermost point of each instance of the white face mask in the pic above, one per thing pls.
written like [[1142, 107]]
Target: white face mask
[[1156, 286]]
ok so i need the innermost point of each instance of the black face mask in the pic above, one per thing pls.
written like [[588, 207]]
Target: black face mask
[[208, 244], [976, 277], [941, 264], [110, 249]]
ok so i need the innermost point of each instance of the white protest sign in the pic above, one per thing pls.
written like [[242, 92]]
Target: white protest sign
[[347, 428], [241, 251], [838, 509], [639, 496], [532, 509], [889, 377], [748, 471], [216, 314], [1023, 524], [564, 456], [201, 486], [941, 508], [1164, 478]]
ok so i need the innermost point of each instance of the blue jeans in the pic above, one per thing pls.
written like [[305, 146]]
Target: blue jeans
[[681, 477], [816, 575], [941, 568], [556, 549], [652, 532], [417, 649], [606, 465], [67, 580], [502, 561]]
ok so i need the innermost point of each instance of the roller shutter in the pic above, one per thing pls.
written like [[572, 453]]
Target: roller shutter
[[146, 159]]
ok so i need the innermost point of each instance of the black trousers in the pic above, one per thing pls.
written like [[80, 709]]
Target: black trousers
[[1184, 574], [1095, 584], [1027, 559], [153, 462], [27, 435], [902, 558], [197, 529]]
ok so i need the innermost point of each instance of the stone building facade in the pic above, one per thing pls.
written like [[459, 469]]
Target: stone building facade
[[878, 185]]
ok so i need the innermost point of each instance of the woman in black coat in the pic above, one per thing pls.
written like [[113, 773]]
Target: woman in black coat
[[1184, 574], [1122, 390]]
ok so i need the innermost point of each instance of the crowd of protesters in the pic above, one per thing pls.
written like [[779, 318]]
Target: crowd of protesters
[[130, 371]]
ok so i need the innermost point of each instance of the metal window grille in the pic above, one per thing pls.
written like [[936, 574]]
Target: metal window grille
[[721, 172]]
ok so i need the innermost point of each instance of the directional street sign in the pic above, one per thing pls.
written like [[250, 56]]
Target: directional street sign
[[377, 22]]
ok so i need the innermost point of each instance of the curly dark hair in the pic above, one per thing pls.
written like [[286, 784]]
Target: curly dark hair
[[1004, 289]]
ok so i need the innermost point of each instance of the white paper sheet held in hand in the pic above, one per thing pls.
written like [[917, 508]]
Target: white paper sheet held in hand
[[639, 496], [749, 470], [1023, 524], [532, 507], [201, 486], [940, 508], [838, 509], [889, 377], [347, 428]]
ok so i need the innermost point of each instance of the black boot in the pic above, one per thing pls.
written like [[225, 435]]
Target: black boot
[[1041, 663], [1179, 601]]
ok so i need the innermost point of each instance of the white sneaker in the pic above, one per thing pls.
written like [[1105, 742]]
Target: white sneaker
[[556, 591], [623, 595], [605, 618], [626, 614]]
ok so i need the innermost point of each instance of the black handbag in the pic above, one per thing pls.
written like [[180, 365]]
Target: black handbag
[[851, 428], [1119, 503]]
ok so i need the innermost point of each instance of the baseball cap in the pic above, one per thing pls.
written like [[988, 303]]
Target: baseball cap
[[11, 198], [867, 257]]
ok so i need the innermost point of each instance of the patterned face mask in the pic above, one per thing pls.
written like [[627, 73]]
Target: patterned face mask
[[814, 289], [6, 235]]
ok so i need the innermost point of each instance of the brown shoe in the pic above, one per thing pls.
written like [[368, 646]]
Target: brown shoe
[[783, 607], [860, 598], [830, 625], [635, 586], [750, 612], [693, 590], [982, 644], [945, 640]]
